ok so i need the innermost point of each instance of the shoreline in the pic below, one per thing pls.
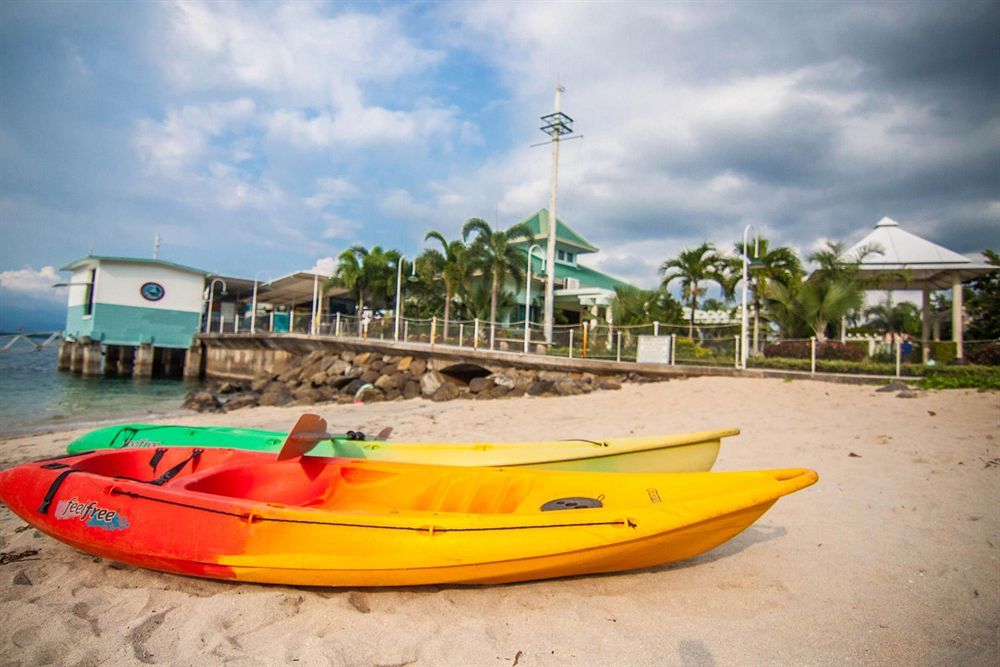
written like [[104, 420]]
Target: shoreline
[[891, 558]]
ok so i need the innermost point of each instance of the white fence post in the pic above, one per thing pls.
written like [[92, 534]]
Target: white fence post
[[406, 330], [618, 355], [434, 322], [337, 329], [812, 355], [475, 335], [673, 349], [656, 328], [570, 343], [461, 333], [493, 333], [737, 350]]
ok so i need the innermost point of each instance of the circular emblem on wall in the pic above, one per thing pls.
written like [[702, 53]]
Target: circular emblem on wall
[[152, 291]]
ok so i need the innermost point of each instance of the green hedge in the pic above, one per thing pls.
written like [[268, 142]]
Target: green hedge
[[931, 377]]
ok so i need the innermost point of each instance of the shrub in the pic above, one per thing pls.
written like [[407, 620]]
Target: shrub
[[801, 349], [942, 351], [986, 354]]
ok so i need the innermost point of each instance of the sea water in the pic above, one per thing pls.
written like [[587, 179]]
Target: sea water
[[35, 397]]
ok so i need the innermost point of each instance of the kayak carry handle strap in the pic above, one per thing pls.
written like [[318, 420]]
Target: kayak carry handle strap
[[53, 488], [172, 472]]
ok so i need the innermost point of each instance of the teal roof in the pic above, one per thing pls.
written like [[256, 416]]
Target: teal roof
[[129, 260], [565, 235], [588, 277]]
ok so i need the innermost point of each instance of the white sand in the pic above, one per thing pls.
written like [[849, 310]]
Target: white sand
[[892, 558]]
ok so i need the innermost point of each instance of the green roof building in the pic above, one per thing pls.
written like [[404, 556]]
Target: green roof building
[[578, 288]]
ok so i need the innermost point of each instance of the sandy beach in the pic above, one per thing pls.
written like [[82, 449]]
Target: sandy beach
[[892, 558]]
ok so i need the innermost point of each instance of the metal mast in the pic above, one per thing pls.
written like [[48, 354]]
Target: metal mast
[[555, 125]]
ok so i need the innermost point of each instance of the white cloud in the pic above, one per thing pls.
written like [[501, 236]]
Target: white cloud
[[324, 266], [29, 282], [330, 191]]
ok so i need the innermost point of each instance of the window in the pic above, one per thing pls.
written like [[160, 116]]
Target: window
[[562, 256], [569, 257], [88, 306]]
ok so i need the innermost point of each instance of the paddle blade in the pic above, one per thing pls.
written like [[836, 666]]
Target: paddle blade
[[308, 430], [384, 433]]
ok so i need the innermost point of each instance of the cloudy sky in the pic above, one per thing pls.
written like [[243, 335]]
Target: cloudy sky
[[265, 137]]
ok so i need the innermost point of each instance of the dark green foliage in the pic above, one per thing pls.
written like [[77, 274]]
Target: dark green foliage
[[987, 354], [801, 349], [983, 307], [633, 305]]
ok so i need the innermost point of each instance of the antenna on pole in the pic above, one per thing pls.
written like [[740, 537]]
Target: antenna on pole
[[555, 124], [156, 247]]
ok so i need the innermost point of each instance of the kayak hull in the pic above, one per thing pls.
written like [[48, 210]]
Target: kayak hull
[[689, 452], [315, 521]]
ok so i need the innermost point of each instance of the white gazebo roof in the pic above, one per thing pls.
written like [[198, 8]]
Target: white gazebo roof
[[907, 261]]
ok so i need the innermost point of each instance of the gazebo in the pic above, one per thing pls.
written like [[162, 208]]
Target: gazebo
[[908, 262]]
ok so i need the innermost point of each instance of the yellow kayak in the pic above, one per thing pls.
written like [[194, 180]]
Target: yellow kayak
[[318, 521], [686, 452]]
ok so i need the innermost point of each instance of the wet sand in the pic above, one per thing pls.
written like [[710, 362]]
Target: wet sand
[[892, 558]]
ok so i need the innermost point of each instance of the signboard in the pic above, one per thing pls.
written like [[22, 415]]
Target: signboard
[[653, 350]]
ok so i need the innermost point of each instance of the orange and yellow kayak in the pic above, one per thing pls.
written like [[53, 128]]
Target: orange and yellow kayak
[[306, 520]]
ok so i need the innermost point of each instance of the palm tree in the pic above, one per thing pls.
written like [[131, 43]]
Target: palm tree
[[836, 268], [895, 318], [368, 273], [633, 305], [693, 267], [780, 264], [813, 305], [454, 270], [494, 253]]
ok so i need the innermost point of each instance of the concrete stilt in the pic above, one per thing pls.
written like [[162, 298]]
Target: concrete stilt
[[126, 358], [193, 361], [76, 358], [65, 355], [92, 358], [143, 367], [173, 362]]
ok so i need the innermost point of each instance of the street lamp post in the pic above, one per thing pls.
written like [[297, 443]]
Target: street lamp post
[[527, 297], [253, 302], [746, 280], [211, 294], [399, 293]]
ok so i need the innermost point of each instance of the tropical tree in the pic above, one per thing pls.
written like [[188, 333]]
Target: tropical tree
[[779, 264], [455, 270], [633, 305], [693, 267], [370, 274], [494, 253], [983, 305], [895, 318]]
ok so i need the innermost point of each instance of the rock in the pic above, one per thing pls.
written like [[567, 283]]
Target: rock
[[479, 384], [567, 387], [338, 367], [386, 383], [519, 390], [362, 358], [417, 367], [908, 394], [348, 356], [404, 364], [445, 392], [341, 382], [894, 386], [318, 379], [430, 382], [260, 380], [411, 389], [229, 388], [393, 394], [502, 380], [550, 376], [608, 385], [369, 376], [306, 395], [499, 392], [481, 396], [275, 393], [352, 387], [244, 400], [21, 579], [368, 394], [541, 388], [327, 393], [202, 401], [288, 374]]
